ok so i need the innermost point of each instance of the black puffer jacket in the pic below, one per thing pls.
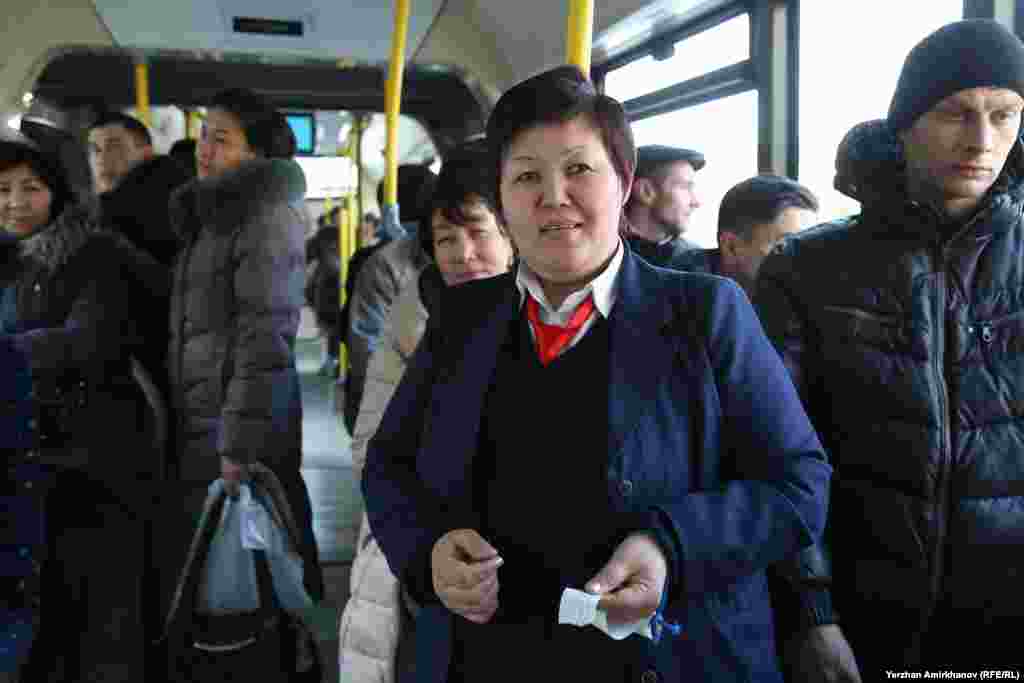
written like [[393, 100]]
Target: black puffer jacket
[[137, 207], [237, 293], [904, 333]]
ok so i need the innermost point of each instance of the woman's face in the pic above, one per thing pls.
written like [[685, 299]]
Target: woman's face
[[222, 145], [474, 250], [24, 201], [562, 201]]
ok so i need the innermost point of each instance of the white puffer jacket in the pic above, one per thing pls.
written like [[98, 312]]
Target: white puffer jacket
[[370, 623]]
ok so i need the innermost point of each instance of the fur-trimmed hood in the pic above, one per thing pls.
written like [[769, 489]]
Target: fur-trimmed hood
[[55, 244], [870, 167], [226, 201]]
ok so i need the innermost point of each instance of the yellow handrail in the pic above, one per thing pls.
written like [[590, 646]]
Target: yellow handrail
[[142, 92], [580, 34], [357, 159], [345, 250], [393, 100]]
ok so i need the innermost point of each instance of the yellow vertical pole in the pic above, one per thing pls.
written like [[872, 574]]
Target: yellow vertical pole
[[393, 100], [357, 159], [193, 123], [344, 254], [580, 34], [142, 91]]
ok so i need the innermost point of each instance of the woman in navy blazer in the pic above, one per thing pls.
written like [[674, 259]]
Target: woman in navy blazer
[[590, 422]]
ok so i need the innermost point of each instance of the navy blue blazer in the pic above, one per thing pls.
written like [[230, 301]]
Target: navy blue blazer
[[705, 432]]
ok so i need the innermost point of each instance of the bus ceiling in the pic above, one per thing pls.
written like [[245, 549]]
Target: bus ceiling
[[308, 54], [440, 98]]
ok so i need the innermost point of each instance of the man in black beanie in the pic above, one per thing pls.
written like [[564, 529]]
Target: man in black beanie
[[903, 328]]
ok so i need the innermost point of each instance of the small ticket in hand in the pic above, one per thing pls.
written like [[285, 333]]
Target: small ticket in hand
[[579, 608]]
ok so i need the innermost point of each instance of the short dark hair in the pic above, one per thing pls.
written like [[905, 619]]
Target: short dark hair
[[129, 123], [760, 200], [558, 96], [466, 173], [17, 149], [266, 129], [415, 187]]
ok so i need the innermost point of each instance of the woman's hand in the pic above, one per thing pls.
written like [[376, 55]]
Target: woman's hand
[[233, 473], [464, 568], [631, 584]]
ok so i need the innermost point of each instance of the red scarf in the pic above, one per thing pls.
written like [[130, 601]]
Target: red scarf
[[551, 339]]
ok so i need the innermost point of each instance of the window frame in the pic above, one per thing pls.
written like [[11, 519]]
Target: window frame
[[772, 70]]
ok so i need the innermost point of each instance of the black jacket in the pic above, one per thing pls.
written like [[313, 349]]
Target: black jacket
[[138, 207], [74, 320], [666, 254], [903, 332], [707, 261]]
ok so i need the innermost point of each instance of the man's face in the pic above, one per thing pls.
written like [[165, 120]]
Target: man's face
[[675, 197], [957, 149], [741, 258], [113, 151]]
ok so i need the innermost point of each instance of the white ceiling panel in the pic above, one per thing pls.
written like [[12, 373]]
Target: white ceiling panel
[[531, 33], [337, 29]]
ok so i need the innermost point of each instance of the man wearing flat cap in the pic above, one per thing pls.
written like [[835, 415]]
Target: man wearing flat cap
[[661, 202], [903, 328]]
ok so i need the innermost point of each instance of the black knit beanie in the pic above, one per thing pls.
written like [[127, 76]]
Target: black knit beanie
[[975, 53]]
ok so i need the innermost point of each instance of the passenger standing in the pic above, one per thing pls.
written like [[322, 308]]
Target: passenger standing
[[753, 217], [579, 424], [381, 277], [67, 315], [323, 288], [373, 236], [902, 329], [134, 184], [465, 241], [236, 300], [664, 197]]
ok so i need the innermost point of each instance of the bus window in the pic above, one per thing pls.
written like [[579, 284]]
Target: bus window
[[849, 75], [725, 131], [166, 126], [719, 46]]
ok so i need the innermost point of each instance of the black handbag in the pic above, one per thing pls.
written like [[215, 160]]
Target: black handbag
[[269, 645]]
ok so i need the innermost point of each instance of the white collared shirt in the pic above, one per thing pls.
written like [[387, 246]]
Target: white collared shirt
[[602, 288]]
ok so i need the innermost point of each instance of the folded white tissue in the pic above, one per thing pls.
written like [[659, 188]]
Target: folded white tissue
[[579, 608]]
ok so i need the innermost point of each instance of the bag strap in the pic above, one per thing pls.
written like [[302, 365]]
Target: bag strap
[[269, 604]]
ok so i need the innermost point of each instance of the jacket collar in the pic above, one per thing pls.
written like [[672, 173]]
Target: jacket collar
[[226, 201], [151, 179], [870, 169], [56, 243], [641, 352]]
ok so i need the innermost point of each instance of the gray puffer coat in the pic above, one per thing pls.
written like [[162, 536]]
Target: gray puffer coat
[[236, 298]]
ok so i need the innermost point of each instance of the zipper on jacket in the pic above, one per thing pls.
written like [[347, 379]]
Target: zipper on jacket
[[943, 514], [883, 318]]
